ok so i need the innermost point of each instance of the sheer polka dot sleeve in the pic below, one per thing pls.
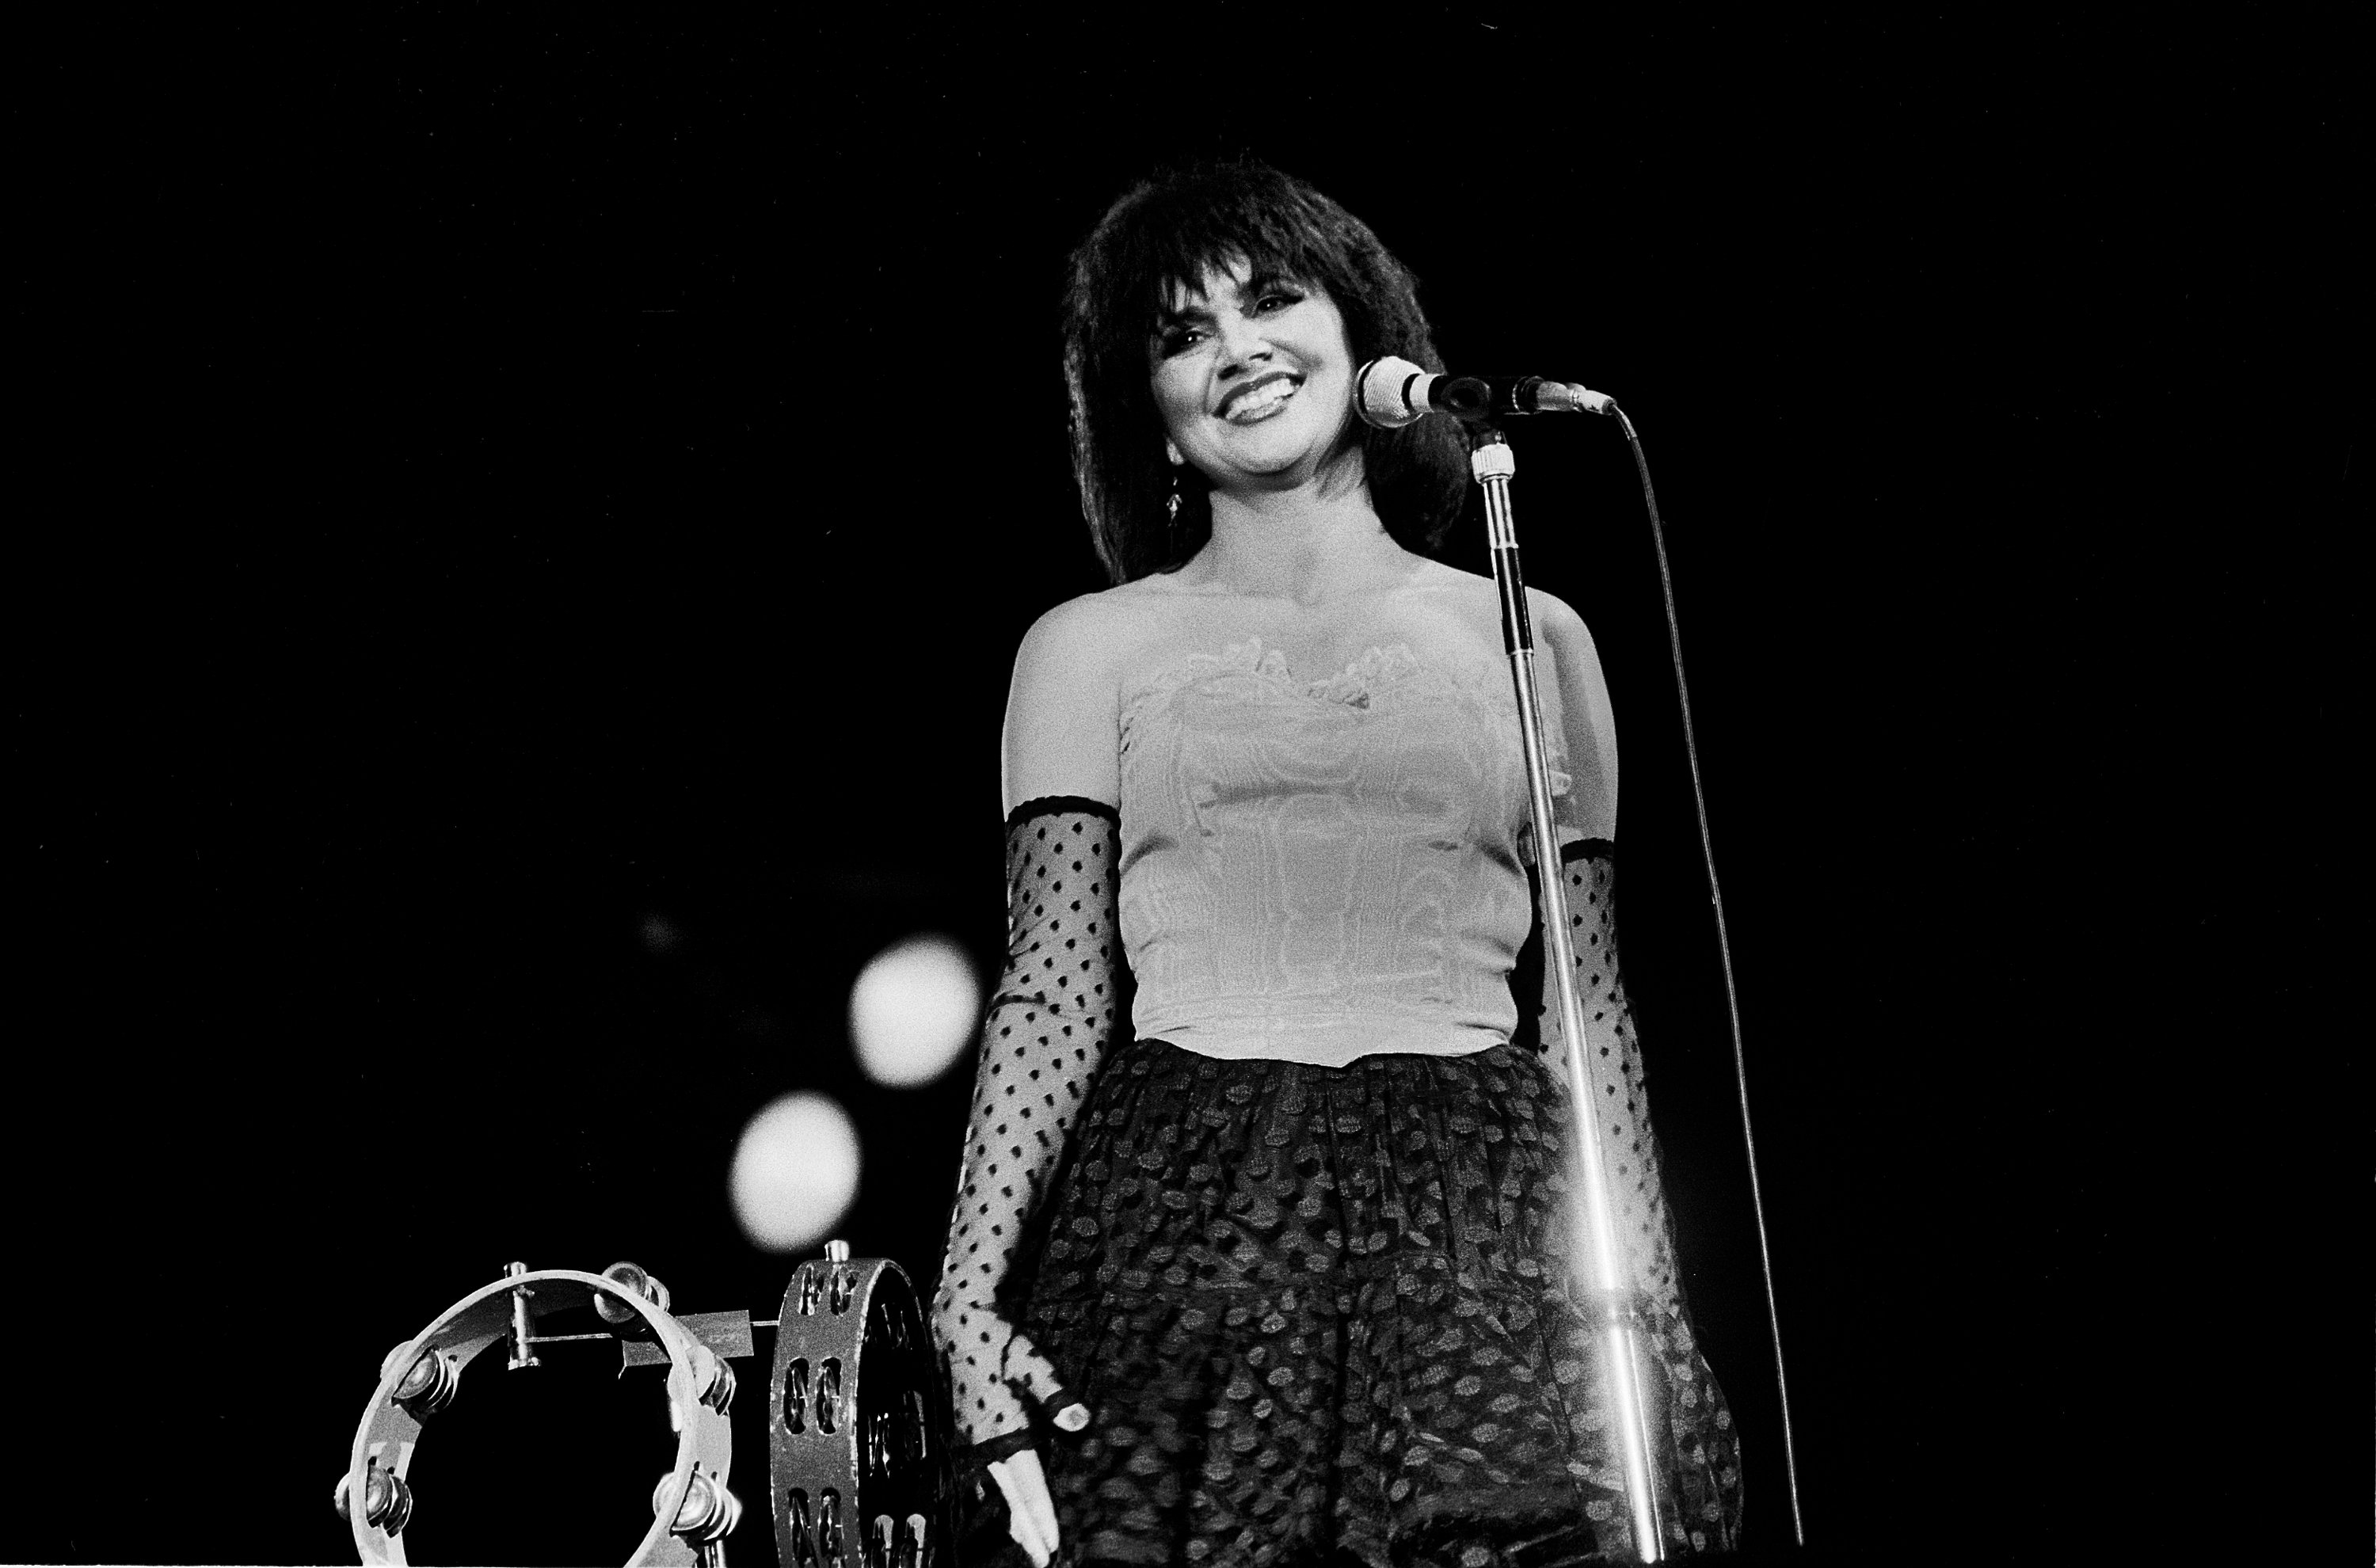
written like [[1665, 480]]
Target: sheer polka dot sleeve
[[1047, 1030], [1613, 1056]]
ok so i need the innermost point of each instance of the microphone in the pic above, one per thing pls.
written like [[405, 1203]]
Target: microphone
[[1391, 393]]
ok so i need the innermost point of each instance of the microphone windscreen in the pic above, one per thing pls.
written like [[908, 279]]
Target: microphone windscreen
[[1390, 393]]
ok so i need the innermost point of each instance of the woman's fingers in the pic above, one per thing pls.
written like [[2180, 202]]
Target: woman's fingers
[[1030, 1512]]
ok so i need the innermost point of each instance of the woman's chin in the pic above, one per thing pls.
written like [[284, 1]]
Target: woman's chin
[[1289, 464]]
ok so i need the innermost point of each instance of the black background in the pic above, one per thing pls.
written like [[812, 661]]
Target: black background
[[489, 484]]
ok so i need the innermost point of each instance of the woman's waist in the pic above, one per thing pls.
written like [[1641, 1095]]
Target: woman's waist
[[1323, 968], [1322, 1031]]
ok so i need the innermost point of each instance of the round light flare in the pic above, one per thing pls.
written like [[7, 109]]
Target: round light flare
[[795, 1172], [913, 1009]]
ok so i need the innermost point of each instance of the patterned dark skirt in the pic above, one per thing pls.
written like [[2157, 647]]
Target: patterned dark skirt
[[1318, 1314]]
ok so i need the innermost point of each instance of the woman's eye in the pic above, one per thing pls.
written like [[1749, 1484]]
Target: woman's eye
[[1177, 340]]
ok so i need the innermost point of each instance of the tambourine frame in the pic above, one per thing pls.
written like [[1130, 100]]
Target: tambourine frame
[[483, 1318], [886, 1459]]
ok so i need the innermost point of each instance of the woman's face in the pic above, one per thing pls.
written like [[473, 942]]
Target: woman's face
[[1254, 379]]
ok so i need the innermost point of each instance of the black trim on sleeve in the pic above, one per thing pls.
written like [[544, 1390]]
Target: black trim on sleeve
[[1005, 1445], [1048, 805], [1589, 850]]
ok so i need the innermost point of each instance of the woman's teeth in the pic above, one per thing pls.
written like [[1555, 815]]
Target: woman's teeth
[[1261, 403]]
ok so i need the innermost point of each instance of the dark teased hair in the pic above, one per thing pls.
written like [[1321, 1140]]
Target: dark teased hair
[[1155, 243]]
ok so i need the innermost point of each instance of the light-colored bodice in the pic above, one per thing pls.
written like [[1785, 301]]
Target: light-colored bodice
[[1320, 870]]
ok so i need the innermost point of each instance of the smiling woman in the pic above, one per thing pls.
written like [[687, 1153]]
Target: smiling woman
[[1280, 1270], [1134, 296]]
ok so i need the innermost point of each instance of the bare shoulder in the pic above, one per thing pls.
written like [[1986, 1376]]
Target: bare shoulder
[[1062, 705], [1085, 639], [1560, 631], [1481, 600], [1560, 625], [1069, 630]]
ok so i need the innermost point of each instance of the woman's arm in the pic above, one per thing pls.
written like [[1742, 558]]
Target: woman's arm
[[1612, 1051], [1063, 708], [1045, 1033], [1578, 706]]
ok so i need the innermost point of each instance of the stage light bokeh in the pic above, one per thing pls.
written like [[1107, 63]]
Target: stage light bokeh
[[913, 1010], [795, 1172]]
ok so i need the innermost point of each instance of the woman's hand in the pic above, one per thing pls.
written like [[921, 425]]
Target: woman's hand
[[1031, 1512]]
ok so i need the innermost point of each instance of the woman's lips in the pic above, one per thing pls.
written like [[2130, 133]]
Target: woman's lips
[[1263, 398]]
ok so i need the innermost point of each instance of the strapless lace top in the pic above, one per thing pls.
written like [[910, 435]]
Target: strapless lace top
[[1317, 870]]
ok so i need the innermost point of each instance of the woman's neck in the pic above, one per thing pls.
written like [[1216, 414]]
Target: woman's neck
[[1311, 544]]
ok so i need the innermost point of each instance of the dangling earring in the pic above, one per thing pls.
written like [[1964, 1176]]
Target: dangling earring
[[1171, 503]]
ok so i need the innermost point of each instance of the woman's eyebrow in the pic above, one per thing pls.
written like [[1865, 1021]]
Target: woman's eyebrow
[[1184, 313], [1252, 290]]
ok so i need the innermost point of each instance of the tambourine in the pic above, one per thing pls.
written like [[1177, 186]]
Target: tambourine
[[859, 1431], [858, 1428], [691, 1509]]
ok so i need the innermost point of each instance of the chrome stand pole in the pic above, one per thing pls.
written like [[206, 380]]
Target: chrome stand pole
[[1493, 463]]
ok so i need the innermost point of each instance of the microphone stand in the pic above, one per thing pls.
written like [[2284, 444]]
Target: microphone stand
[[1493, 463]]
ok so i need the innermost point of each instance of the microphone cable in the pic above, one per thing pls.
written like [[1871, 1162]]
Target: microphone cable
[[1723, 953]]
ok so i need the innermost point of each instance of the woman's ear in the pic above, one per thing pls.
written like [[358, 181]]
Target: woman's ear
[[1171, 450]]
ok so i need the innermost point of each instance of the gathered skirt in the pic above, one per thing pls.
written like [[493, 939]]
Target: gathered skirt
[[1327, 1314]]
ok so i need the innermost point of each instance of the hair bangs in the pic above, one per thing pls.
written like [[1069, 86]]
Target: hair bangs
[[1220, 221]]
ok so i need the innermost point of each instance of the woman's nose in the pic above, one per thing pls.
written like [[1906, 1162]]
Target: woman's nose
[[1242, 342]]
